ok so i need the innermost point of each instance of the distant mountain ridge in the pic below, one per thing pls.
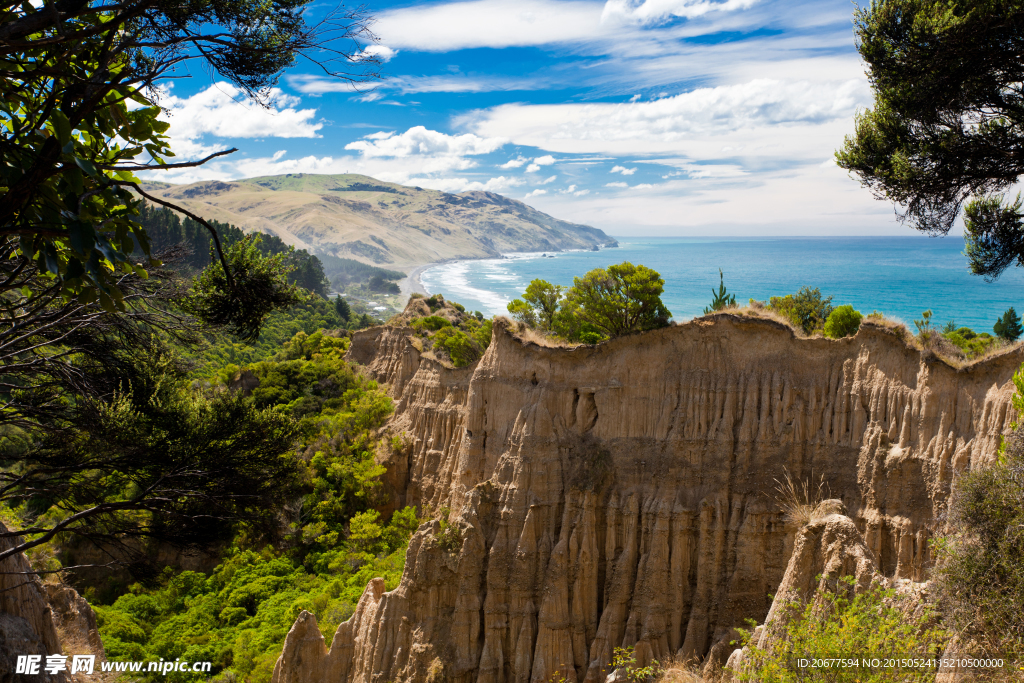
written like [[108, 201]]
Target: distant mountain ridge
[[359, 217]]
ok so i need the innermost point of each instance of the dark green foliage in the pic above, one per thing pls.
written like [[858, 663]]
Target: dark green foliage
[[980, 575], [946, 121], [806, 309], [379, 284], [165, 230], [430, 322], [259, 287], [342, 308], [237, 617], [843, 321], [343, 272], [1008, 327], [155, 460], [720, 299]]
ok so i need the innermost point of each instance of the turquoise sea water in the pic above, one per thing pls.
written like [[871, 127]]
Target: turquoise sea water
[[899, 276]]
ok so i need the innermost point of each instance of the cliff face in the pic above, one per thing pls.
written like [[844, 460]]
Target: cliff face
[[623, 495]]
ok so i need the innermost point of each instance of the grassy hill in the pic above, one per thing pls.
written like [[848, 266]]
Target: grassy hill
[[358, 217]]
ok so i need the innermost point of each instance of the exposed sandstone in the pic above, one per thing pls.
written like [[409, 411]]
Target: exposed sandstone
[[26, 620], [622, 495]]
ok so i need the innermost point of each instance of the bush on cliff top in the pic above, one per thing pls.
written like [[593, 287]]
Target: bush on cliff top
[[604, 303], [843, 321]]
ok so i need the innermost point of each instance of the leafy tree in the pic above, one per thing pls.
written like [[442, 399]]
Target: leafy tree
[[342, 307], [523, 312], [266, 289], [946, 123], [843, 321], [720, 299], [156, 460], [807, 309], [619, 300], [79, 104], [543, 298], [54, 352], [1008, 327]]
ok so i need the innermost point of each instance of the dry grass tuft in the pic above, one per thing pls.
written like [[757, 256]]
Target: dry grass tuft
[[799, 501], [757, 310], [528, 334], [681, 672]]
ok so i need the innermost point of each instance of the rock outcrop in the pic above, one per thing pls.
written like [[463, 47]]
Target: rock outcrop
[[44, 619], [623, 494], [26, 620]]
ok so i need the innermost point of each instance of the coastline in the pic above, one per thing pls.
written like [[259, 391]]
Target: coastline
[[411, 283]]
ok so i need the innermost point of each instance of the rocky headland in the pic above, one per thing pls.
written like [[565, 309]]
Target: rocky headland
[[624, 494]]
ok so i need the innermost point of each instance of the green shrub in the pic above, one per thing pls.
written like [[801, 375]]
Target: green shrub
[[971, 343], [431, 322], [625, 659], [980, 576], [843, 321], [833, 626], [807, 309], [457, 345]]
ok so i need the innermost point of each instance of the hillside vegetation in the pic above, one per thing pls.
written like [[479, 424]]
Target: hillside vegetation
[[385, 224]]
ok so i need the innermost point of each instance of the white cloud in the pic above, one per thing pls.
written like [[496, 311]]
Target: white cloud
[[491, 23], [642, 186], [616, 184], [545, 160], [499, 184], [423, 141], [532, 168], [790, 120], [535, 193], [381, 52], [315, 84], [549, 180], [222, 110], [514, 163], [651, 11], [623, 170]]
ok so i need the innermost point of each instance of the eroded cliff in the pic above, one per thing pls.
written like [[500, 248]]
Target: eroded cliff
[[623, 495]]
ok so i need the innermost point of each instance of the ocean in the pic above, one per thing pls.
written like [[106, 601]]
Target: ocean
[[897, 276]]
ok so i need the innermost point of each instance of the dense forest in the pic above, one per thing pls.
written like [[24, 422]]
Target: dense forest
[[317, 273]]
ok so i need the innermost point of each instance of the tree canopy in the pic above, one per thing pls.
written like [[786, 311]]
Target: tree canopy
[[947, 127], [606, 302]]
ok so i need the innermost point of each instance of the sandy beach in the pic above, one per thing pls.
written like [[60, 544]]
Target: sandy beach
[[411, 283]]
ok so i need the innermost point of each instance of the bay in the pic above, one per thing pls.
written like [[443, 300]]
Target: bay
[[898, 276]]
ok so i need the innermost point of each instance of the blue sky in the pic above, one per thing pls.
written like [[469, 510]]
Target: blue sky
[[641, 117]]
